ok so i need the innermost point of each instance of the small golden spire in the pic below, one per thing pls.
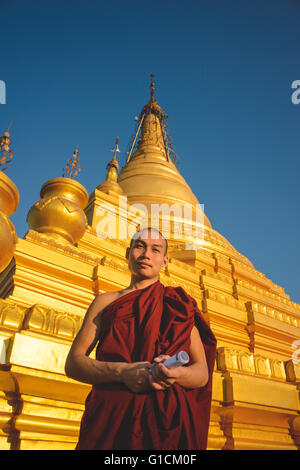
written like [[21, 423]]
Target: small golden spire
[[110, 185], [73, 167], [6, 153], [114, 161]]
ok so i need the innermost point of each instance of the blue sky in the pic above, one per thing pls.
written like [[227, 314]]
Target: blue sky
[[77, 73]]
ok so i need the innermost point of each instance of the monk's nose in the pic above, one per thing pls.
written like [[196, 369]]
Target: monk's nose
[[147, 253]]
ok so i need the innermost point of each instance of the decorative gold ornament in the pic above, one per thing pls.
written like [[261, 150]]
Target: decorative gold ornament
[[73, 168], [59, 213], [6, 153]]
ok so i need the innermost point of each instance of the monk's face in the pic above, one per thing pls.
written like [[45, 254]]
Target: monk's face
[[147, 256]]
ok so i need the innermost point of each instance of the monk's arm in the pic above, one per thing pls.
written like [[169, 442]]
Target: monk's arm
[[193, 376], [80, 367]]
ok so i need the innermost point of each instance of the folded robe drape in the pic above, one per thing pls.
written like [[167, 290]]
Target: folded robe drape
[[139, 326]]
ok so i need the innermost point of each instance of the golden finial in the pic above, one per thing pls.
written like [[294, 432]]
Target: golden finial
[[152, 106], [6, 152], [152, 87], [114, 161], [73, 167]]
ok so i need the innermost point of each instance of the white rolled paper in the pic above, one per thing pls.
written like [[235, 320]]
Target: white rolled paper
[[179, 359]]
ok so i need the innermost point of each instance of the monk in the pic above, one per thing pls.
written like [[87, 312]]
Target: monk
[[136, 402]]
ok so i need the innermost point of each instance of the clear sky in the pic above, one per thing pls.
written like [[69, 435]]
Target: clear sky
[[77, 73]]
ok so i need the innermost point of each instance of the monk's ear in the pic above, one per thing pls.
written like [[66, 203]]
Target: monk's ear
[[127, 253], [165, 261]]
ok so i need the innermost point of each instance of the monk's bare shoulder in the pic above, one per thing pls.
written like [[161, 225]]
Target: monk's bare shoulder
[[88, 333], [101, 301]]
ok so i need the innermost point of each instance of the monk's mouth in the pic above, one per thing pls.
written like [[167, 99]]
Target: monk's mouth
[[144, 265]]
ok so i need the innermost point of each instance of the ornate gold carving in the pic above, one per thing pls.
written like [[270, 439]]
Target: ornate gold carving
[[51, 322], [62, 247], [292, 371], [110, 262], [11, 315], [254, 364], [39, 318], [267, 293], [225, 298], [271, 312]]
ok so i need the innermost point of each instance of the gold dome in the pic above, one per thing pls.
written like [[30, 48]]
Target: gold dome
[[59, 213]]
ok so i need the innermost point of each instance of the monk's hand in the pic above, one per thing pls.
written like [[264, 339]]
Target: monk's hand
[[160, 376], [136, 376]]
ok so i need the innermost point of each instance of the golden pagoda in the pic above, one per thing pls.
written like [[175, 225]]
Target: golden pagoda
[[75, 249]]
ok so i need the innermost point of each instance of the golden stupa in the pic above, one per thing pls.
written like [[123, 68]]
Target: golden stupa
[[75, 249]]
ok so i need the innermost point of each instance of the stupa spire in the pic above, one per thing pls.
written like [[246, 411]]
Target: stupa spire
[[110, 185], [150, 175], [114, 161], [151, 135]]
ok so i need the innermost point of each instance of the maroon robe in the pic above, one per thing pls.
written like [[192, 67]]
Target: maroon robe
[[139, 326]]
